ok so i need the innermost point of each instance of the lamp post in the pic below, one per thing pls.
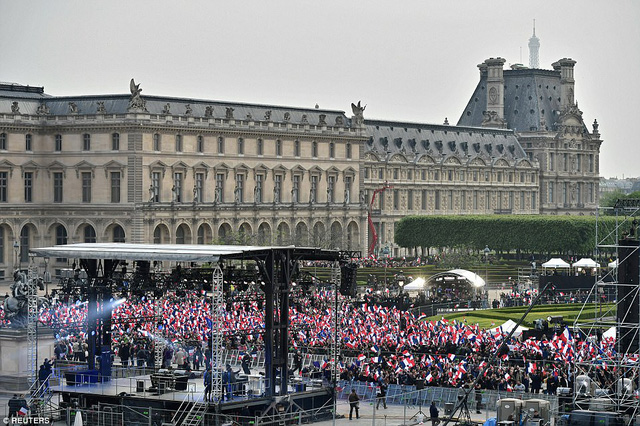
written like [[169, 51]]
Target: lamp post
[[486, 263], [16, 247]]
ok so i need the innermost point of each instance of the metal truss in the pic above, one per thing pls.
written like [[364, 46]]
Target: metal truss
[[217, 314], [32, 323], [608, 380]]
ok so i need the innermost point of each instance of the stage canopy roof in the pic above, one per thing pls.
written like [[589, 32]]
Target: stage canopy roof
[[473, 278], [171, 252], [556, 262]]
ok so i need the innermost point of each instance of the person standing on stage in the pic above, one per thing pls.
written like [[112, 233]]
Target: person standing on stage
[[354, 404]]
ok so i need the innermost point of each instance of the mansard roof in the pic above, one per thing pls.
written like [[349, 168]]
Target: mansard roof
[[415, 140], [29, 102], [531, 96]]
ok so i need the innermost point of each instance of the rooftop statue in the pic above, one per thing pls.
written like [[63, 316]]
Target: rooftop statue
[[136, 103]]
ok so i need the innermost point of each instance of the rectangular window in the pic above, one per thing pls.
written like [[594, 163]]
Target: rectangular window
[[115, 142], [86, 142], [381, 197], [198, 195], [348, 150], [409, 174], [239, 191], [28, 187], [178, 143], [410, 199], [258, 189], [381, 174], [565, 162], [436, 175], [156, 142], [57, 187], [395, 173], [277, 189], [550, 194], [463, 200], [396, 199], [86, 187], [424, 200], [475, 200], [240, 146], [486, 176], [219, 193], [260, 148], [521, 200], [533, 200], [115, 187], [279, 148], [331, 180], [4, 186], [522, 177], [437, 202], [58, 143], [200, 144], [578, 162], [511, 200], [579, 193], [177, 187], [450, 175], [591, 192], [565, 193], [552, 160], [347, 189], [155, 187], [3, 141], [28, 142], [487, 200], [296, 148], [591, 163], [295, 189], [313, 192], [220, 145], [450, 200], [499, 200], [424, 175]]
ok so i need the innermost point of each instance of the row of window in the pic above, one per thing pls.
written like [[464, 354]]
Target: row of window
[[456, 199], [179, 147], [568, 162], [240, 193], [86, 142], [240, 146], [21, 253], [450, 175], [571, 193], [58, 186]]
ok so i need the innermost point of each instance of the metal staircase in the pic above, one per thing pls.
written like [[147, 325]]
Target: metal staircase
[[195, 416]]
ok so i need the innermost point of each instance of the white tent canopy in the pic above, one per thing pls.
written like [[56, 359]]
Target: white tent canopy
[[473, 278], [613, 264], [415, 285], [507, 327], [610, 333], [556, 263], [586, 263]]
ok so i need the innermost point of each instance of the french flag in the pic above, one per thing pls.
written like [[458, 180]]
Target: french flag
[[429, 378], [23, 411], [531, 368], [375, 348], [361, 357]]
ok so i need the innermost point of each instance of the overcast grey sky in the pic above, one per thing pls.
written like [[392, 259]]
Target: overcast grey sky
[[407, 60]]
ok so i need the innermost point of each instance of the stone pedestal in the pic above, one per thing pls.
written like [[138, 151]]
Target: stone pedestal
[[14, 368]]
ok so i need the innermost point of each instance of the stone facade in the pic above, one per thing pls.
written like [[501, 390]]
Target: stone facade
[[154, 169]]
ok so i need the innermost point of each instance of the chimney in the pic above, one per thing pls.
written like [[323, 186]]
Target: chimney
[[495, 88], [567, 83]]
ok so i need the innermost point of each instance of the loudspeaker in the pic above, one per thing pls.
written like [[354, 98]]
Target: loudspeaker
[[348, 282], [628, 302]]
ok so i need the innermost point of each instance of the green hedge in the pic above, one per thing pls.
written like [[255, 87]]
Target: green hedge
[[527, 233]]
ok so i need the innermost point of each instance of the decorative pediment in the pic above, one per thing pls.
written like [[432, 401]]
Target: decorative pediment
[[298, 171], [113, 166], [7, 165], [222, 168], [85, 166], [29, 166], [241, 168], [399, 158], [349, 171], [260, 169], [332, 171], [426, 159], [157, 166], [179, 166], [201, 167], [501, 162], [452, 159], [372, 156], [478, 161], [56, 166], [524, 163]]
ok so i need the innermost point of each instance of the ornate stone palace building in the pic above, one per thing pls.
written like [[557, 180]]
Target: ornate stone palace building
[[171, 170]]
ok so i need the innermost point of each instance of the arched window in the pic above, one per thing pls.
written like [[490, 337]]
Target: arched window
[[180, 235], [118, 234], [61, 239], [157, 236], [89, 234], [24, 245]]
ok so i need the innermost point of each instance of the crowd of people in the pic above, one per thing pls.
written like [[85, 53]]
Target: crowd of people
[[383, 343]]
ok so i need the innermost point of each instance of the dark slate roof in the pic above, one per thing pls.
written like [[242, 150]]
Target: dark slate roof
[[118, 104], [14, 90], [528, 95], [414, 140]]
